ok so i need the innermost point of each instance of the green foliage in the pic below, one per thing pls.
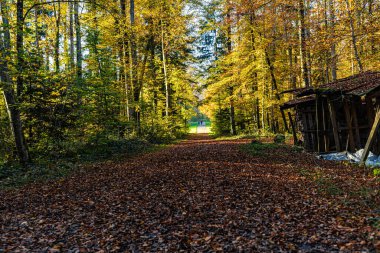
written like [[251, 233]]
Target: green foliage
[[257, 148], [193, 127], [120, 92], [375, 222], [279, 138], [376, 172], [221, 123], [327, 185], [57, 160]]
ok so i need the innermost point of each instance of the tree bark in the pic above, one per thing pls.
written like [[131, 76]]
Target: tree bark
[[20, 47], [231, 89], [353, 37], [302, 41], [8, 92], [372, 39], [123, 55], [71, 36], [167, 93], [57, 14], [78, 40], [334, 57]]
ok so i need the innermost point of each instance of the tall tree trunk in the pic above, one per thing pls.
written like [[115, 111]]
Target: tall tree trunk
[[37, 30], [274, 86], [353, 36], [123, 55], [71, 36], [231, 89], [308, 35], [78, 40], [292, 76], [372, 39], [57, 14], [20, 47], [334, 57], [167, 93], [272, 75], [302, 39], [134, 67], [8, 92], [258, 113], [255, 75]]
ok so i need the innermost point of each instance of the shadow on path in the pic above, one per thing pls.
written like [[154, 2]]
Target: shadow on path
[[201, 195]]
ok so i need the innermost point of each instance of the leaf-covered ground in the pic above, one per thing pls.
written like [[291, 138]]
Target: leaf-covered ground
[[199, 195]]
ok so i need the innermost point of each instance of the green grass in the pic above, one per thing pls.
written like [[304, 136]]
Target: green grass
[[235, 137], [258, 148], [194, 125]]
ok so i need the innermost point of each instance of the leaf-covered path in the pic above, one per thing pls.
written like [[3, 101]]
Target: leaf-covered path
[[199, 195]]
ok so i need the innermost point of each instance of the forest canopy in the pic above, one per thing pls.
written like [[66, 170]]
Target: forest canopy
[[75, 72], [271, 46]]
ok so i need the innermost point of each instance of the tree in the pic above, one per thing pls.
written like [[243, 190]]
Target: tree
[[7, 86]]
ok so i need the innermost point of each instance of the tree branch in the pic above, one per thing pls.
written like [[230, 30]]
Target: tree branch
[[67, 1]]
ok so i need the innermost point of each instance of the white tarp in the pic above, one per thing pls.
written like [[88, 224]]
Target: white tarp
[[372, 160]]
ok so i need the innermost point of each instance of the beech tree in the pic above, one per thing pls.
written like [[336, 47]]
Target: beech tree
[[281, 45]]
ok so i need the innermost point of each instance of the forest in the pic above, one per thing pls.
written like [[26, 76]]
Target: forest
[[100, 101], [74, 72]]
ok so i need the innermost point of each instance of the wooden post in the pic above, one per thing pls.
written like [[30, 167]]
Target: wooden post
[[334, 125], [349, 124], [312, 131], [372, 134], [317, 124], [306, 128], [325, 135], [356, 125], [370, 110], [295, 139]]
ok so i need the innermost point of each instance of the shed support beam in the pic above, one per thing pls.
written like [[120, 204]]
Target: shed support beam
[[351, 138], [370, 110], [334, 125], [356, 125], [325, 135], [372, 134], [318, 134]]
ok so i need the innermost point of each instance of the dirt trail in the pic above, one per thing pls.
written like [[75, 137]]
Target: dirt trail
[[198, 195]]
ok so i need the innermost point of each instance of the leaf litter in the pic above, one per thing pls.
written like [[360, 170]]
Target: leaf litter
[[200, 195]]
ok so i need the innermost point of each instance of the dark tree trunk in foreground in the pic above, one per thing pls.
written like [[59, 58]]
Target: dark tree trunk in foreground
[[20, 46], [78, 40], [8, 91], [57, 14]]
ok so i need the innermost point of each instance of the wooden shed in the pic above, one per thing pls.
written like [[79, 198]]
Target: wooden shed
[[337, 116]]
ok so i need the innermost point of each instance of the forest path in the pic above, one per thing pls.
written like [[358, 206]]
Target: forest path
[[198, 195]]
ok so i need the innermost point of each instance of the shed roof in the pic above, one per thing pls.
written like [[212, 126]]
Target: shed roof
[[297, 101], [358, 85]]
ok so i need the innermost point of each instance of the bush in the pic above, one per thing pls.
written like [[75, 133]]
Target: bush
[[221, 123], [279, 139]]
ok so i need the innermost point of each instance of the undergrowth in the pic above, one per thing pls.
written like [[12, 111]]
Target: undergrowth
[[55, 161], [260, 148]]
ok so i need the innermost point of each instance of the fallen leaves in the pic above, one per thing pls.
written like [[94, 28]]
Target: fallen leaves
[[199, 195]]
